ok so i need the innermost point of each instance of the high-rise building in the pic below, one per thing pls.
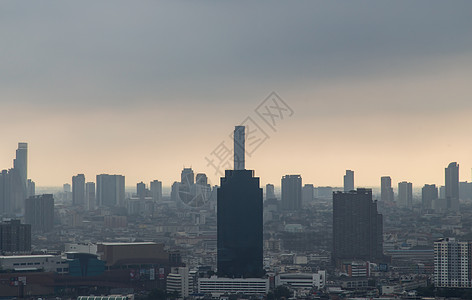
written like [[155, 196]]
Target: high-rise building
[[187, 176], [452, 263], [78, 190], [14, 183], [141, 190], [386, 190], [31, 188], [270, 191], [239, 224], [66, 188], [452, 186], [357, 226], [429, 193], [156, 190], [291, 192], [308, 193], [180, 281], [110, 190], [239, 147], [39, 212], [405, 194], [15, 237], [90, 198], [349, 181]]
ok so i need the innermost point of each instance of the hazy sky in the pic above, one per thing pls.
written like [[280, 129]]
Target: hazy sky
[[144, 88]]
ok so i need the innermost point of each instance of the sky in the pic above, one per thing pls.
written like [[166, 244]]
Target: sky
[[146, 88]]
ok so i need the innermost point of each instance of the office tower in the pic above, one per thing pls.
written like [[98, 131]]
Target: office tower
[[187, 176], [357, 226], [405, 194], [349, 181], [291, 192], [141, 190], [31, 188], [452, 186], [270, 191], [5, 189], [156, 190], [386, 190], [308, 193], [110, 190], [90, 199], [15, 237], [20, 164], [201, 179], [174, 192], [239, 147], [239, 224], [452, 263], [429, 193], [39, 212], [202, 189], [78, 190]]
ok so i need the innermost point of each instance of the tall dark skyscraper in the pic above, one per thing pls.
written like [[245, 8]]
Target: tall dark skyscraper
[[240, 240], [349, 181], [78, 190], [429, 193], [357, 226], [386, 190], [291, 192], [39, 212], [90, 199], [452, 186], [110, 190]]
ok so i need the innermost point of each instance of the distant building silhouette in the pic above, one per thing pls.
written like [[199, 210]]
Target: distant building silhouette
[[156, 190], [270, 191], [291, 192], [405, 194], [14, 186], [386, 190], [452, 186], [187, 176], [357, 226], [90, 198], [349, 181], [308, 193], [239, 223], [78, 190], [141, 190], [15, 237], [110, 190], [239, 147], [429, 193], [39, 212]]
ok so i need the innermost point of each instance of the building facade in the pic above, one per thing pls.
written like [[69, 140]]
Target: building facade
[[405, 194], [386, 190], [291, 192], [349, 181], [39, 212], [452, 263]]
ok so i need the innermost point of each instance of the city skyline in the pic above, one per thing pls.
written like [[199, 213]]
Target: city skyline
[[160, 91]]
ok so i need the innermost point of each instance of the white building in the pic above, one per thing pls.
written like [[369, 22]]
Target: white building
[[81, 248], [452, 263], [302, 280], [219, 286], [180, 281], [48, 263]]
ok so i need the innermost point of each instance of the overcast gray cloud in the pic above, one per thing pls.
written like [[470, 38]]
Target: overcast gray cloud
[[111, 52]]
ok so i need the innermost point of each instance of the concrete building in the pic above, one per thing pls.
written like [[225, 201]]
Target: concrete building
[[291, 192], [156, 190], [308, 193], [180, 281], [357, 227], [270, 191], [110, 190], [15, 237], [47, 263], [302, 280], [349, 181], [452, 263], [78, 190], [39, 212], [452, 186], [90, 199], [217, 287], [405, 194], [386, 190], [429, 193]]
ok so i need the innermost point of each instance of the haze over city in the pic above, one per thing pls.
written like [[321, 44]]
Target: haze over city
[[382, 88]]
